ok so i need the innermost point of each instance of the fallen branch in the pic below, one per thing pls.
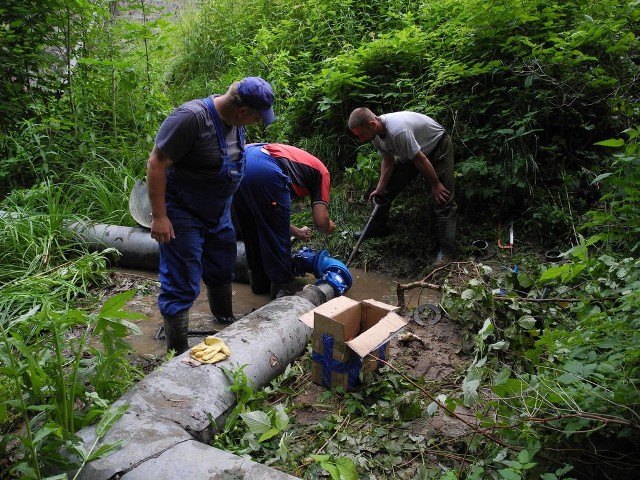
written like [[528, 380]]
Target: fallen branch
[[424, 283], [488, 432], [538, 300], [400, 289]]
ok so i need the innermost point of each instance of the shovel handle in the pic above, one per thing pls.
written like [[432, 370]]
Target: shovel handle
[[364, 231]]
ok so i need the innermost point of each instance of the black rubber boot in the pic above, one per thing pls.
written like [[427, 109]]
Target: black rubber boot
[[446, 240], [259, 282], [176, 328], [221, 303]]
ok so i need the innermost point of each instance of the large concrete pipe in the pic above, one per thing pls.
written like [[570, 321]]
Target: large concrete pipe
[[175, 410], [137, 248]]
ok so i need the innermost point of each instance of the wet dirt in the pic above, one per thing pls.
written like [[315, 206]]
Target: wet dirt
[[366, 285], [429, 351], [431, 348]]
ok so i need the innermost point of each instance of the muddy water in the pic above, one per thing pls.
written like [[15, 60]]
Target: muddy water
[[366, 285]]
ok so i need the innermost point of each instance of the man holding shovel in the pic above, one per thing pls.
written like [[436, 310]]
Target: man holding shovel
[[411, 144]]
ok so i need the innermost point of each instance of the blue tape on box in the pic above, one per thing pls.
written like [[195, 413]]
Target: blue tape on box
[[351, 368], [382, 350], [329, 364]]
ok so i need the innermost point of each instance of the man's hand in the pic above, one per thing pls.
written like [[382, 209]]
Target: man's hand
[[161, 227], [440, 193], [162, 230], [376, 193], [303, 233]]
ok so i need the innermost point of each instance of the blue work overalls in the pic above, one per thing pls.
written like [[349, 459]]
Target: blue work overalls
[[263, 207], [204, 246]]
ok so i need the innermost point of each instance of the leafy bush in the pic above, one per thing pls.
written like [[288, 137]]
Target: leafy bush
[[61, 364]]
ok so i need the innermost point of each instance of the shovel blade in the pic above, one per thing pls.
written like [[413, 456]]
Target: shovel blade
[[139, 205]]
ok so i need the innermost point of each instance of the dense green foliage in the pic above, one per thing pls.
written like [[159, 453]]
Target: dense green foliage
[[79, 97], [541, 100], [552, 390], [526, 88]]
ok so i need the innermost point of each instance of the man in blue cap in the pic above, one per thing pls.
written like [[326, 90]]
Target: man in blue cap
[[195, 166]]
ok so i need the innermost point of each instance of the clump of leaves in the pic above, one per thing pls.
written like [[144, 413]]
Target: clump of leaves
[[54, 366]]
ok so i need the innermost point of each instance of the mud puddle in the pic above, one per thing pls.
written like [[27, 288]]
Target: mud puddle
[[366, 285]]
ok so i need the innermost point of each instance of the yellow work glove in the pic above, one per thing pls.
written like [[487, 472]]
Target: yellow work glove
[[212, 350]]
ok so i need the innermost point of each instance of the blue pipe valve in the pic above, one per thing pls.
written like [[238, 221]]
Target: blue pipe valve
[[325, 268]]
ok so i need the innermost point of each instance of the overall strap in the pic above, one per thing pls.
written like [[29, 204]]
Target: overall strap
[[217, 123]]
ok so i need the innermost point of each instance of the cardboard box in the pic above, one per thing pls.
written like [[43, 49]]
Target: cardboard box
[[345, 332]]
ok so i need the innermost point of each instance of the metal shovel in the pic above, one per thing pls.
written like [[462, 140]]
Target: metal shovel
[[139, 205], [377, 203]]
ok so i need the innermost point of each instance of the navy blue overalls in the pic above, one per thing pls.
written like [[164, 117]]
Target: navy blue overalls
[[204, 246], [263, 206]]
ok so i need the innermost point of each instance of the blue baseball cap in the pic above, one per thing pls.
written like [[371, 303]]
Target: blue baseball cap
[[256, 93]]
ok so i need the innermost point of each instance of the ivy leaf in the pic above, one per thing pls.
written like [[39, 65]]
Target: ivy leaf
[[528, 81], [487, 329], [579, 368], [524, 280], [576, 425], [502, 376], [527, 322], [501, 345], [432, 408], [509, 474], [511, 387], [470, 391], [553, 272], [467, 294], [524, 457], [281, 417], [580, 252]]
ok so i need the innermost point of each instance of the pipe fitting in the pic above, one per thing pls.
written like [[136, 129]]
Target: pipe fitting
[[324, 267]]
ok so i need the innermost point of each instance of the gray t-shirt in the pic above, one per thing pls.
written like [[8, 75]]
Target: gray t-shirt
[[408, 133], [188, 137]]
